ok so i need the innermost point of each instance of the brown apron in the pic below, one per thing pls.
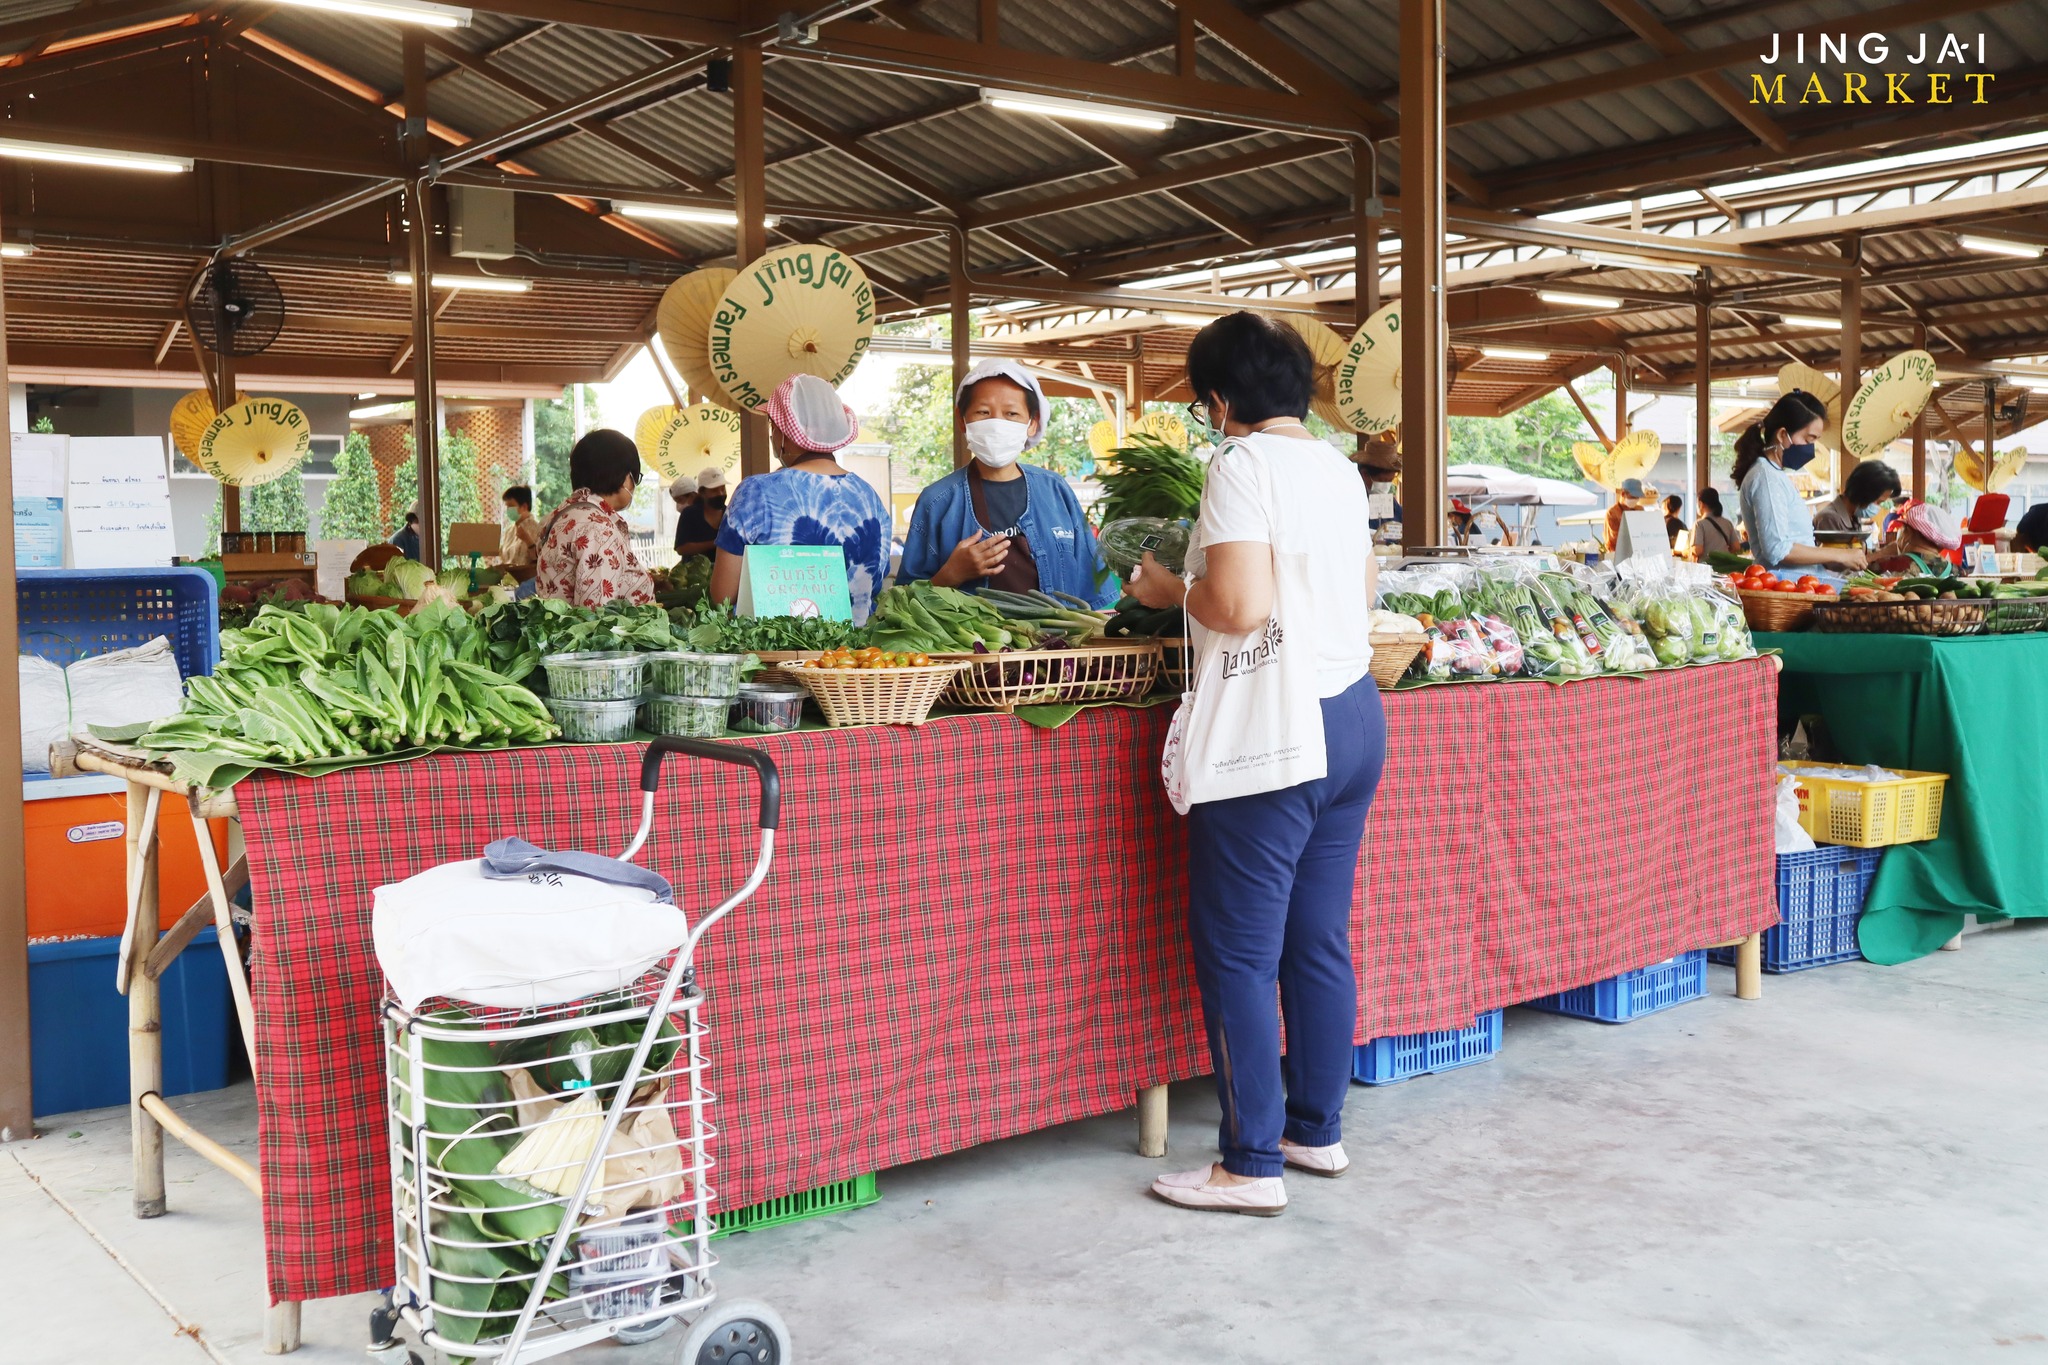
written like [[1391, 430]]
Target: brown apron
[[1020, 569]]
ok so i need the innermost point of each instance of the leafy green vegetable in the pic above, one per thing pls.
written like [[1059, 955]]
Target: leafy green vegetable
[[1150, 478], [918, 618], [408, 578], [715, 629], [1125, 543], [521, 634]]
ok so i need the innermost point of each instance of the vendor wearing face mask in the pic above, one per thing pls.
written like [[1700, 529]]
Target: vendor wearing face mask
[[998, 522], [1868, 484], [697, 524], [1779, 523], [1380, 464]]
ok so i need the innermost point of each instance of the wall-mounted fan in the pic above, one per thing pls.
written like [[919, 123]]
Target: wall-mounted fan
[[236, 308]]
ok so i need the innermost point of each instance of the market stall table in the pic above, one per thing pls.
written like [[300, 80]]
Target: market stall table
[[1969, 707], [974, 928]]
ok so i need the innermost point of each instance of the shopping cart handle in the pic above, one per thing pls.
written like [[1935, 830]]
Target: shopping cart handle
[[717, 752]]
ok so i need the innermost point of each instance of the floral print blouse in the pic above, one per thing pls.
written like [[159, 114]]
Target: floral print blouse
[[587, 558]]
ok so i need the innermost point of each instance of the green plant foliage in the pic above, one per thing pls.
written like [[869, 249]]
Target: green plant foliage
[[279, 505], [352, 510]]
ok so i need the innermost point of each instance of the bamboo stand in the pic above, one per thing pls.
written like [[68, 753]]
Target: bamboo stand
[[143, 960]]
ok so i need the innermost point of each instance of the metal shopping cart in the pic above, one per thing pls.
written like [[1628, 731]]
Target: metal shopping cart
[[549, 1164]]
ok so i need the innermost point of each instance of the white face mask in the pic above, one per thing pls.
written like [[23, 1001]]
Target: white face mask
[[996, 441]]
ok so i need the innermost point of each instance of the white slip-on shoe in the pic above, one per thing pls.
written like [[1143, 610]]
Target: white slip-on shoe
[[1328, 1162], [1263, 1197]]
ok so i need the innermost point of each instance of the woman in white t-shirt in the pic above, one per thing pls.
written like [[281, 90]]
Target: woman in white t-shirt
[[1271, 875]]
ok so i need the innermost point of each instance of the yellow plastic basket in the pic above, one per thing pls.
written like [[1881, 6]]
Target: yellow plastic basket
[[1870, 814]]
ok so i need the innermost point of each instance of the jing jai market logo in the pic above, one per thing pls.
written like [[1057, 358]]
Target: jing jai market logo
[[1938, 68]]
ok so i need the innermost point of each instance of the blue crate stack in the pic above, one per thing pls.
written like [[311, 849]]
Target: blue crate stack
[[1820, 899], [1384, 1061], [69, 614], [1632, 995]]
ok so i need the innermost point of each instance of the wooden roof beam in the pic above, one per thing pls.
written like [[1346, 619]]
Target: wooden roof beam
[[712, 23], [44, 29], [1154, 180]]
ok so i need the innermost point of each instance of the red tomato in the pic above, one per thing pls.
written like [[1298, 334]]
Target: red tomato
[[1807, 580]]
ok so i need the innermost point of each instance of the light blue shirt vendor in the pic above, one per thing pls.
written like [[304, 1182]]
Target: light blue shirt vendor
[[1000, 522], [1779, 522]]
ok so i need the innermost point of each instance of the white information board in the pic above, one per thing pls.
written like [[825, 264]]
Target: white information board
[[119, 503], [40, 462], [1642, 536]]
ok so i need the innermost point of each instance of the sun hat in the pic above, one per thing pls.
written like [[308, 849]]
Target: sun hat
[[810, 414], [1632, 487], [998, 368], [1380, 455], [682, 486], [1937, 525], [710, 477]]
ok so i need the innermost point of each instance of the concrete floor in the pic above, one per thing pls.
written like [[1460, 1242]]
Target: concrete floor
[[1846, 1171]]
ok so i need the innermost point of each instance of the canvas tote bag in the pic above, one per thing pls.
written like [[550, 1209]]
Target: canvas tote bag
[[1252, 721]]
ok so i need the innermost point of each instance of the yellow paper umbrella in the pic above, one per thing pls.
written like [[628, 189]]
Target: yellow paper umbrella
[[802, 309], [1809, 380], [1102, 441], [254, 442], [2005, 464], [694, 439], [190, 417], [647, 430], [1162, 426], [683, 322], [1369, 377], [1884, 408], [1326, 349], [1633, 456]]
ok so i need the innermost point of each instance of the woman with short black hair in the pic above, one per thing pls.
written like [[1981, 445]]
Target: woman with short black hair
[[586, 551], [1271, 872], [1868, 484]]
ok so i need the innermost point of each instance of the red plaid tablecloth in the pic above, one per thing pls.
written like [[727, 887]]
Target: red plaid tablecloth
[[974, 930]]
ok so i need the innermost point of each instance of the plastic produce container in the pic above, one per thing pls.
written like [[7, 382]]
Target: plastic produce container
[[594, 722], [1820, 899], [767, 708], [1631, 995], [1383, 1061], [626, 1265], [598, 676], [691, 717], [78, 1023], [680, 673]]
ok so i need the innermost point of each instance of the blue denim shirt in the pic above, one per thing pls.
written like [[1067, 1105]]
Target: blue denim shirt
[[1062, 541], [1775, 515]]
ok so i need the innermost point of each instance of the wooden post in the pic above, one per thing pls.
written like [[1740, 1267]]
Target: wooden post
[[145, 1008], [1152, 1121], [750, 197], [1425, 431], [419, 209], [1990, 424], [1749, 968], [15, 1106], [1920, 429], [1621, 397], [1852, 348], [959, 324], [1365, 241], [1703, 392]]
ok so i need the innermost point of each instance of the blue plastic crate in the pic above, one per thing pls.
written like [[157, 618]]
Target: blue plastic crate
[[1631, 995], [78, 1023], [1384, 1061], [68, 614], [1820, 898]]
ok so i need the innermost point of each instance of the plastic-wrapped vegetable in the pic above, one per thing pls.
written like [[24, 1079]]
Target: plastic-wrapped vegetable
[[1579, 661], [1457, 648]]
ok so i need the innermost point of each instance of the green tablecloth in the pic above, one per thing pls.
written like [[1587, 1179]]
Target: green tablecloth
[[1971, 708]]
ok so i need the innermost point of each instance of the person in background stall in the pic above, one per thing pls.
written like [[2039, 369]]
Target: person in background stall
[[811, 500], [1674, 524], [1713, 533], [586, 552], [999, 522], [697, 528], [1869, 484], [1627, 498], [2031, 534], [407, 537], [1379, 464], [682, 491], [1929, 543], [1779, 524], [516, 543]]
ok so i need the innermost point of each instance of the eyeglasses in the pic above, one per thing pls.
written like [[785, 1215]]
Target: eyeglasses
[[1198, 414]]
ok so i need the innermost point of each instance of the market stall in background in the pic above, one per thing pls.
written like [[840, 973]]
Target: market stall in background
[[446, 224]]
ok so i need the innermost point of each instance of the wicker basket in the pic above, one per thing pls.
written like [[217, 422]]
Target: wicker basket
[[1176, 657], [776, 663], [1100, 670], [1780, 611], [877, 696], [2015, 615], [1932, 617], [1392, 654]]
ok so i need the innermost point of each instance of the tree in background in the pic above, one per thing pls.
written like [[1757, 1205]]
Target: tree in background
[[352, 510], [1535, 438], [554, 435], [279, 505], [459, 498]]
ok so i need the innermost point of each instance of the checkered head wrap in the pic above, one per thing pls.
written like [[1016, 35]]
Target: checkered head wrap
[[808, 413]]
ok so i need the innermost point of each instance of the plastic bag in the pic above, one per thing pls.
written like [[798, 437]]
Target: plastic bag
[[1575, 659], [126, 686], [45, 711], [1623, 648], [1791, 835], [1456, 648]]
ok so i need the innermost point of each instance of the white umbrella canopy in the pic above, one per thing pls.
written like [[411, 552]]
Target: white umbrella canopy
[[1500, 485]]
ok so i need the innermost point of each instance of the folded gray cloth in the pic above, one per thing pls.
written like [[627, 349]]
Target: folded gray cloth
[[512, 859]]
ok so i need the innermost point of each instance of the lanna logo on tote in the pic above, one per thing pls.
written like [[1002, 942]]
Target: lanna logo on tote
[[254, 442], [802, 309]]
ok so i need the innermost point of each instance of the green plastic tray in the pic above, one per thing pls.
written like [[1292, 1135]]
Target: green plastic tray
[[837, 1197]]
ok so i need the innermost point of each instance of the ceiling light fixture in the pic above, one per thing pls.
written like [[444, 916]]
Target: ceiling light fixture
[[1998, 246], [1615, 262], [90, 156], [685, 213], [14, 251], [381, 410], [1513, 353], [2034, 383], [495, 284], [401, 11], [1577, 300], [1052, 106], [1816, 322]]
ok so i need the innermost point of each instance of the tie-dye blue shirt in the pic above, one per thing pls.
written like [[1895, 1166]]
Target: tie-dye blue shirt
[[796, 507]]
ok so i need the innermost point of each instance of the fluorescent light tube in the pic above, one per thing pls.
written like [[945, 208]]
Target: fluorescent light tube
[[1615, 262], [1052, 106], [1818, 324], [402, 11], [89, 156], [1998, 246], [380, 410], [684, 213], [496, 284], [14, 251], [1513, 353], [1577, 300]]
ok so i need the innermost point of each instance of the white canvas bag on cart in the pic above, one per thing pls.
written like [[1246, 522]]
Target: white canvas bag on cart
[[1252, 720]]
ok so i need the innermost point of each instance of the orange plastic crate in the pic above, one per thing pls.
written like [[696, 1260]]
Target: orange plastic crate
[[77, 872]]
